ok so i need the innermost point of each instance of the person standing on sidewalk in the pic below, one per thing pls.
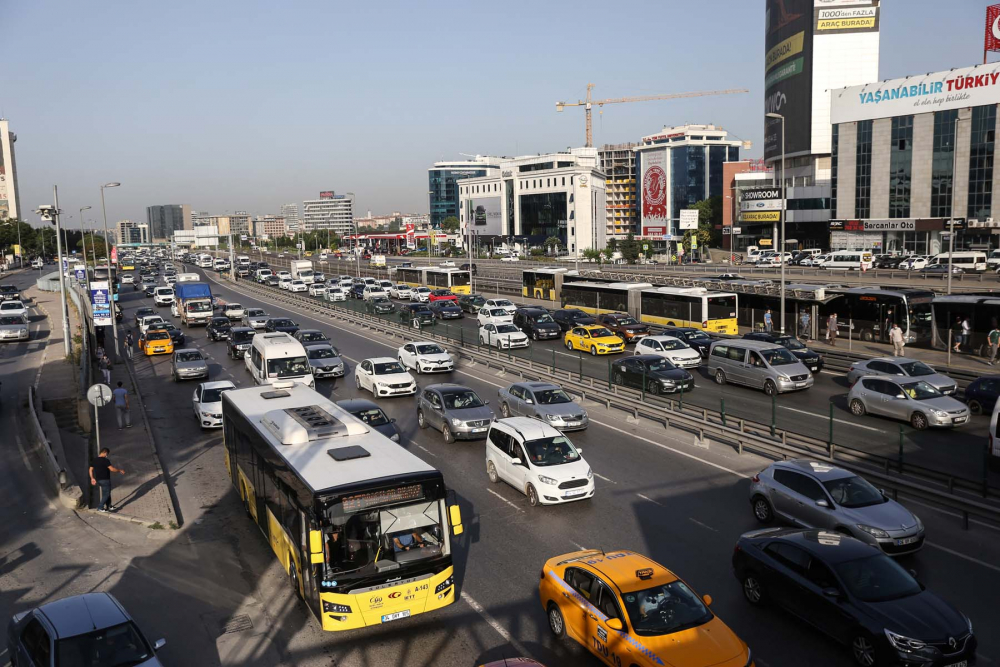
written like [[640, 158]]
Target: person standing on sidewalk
[[994, 338], [100, 476], [768, 323], [831, 329], [129, 343], [105, 367], [804, 325], [896, 337], [122, 408]]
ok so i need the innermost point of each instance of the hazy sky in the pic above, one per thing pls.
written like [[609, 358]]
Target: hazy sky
[[247, 105]]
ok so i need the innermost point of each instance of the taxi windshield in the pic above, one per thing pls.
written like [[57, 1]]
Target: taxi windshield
[[665, 609], [599, 332]]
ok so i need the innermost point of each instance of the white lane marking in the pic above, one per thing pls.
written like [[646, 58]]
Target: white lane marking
[[427, 450], [610, 481], [647, 498], [493, 623], [961, 555], [38, 374], [504, 499], [703, 525], [839, 421]]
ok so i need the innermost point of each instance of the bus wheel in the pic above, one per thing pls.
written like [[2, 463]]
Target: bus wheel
[[984, 351], [867, 336]]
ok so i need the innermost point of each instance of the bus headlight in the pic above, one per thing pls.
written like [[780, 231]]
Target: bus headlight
[[444, 585], [332, 608]]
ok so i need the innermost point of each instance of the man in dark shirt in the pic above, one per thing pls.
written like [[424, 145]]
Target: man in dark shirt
[[100, 476]]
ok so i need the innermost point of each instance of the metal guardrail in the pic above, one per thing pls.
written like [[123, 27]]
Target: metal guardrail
[[949, 491]]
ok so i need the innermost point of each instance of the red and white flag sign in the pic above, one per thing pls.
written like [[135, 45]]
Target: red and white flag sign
[[992, 42]]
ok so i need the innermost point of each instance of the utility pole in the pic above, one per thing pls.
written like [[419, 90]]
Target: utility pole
[[51, 214]]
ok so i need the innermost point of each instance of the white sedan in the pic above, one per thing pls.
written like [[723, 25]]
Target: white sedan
[[673, 349], [233, 311], [487, 315], [284, 274], [127, 279], [509, 258], [400, 291], [317, 289], [284, 282], [425, 357], [502, 336], [420, 294], [506, 304], [297, 286], [207, 402], [145, 322], [13, 308], [335, 293], [914, 263], [384, 376]]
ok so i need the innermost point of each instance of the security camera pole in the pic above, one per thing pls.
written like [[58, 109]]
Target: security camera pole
[[51, 214]]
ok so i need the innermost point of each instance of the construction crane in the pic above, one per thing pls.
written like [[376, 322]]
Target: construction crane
[[589, 103]]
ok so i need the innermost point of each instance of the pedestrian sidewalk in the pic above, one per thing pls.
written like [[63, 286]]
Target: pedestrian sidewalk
[[141, 494]]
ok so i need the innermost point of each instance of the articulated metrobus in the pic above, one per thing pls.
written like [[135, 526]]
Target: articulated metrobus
[[457, 280], [870, 312], [362, 527], [982, 312], [596, 297], [545, 283]]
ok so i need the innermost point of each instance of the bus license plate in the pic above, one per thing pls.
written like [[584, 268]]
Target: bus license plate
[[395, 617]]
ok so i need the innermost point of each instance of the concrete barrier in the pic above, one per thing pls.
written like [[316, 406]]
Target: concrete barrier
[[43, 431], [48, 282]]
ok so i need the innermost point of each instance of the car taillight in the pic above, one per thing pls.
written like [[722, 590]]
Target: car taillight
[[755, 479]]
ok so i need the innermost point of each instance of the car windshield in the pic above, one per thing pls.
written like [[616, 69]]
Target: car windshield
[[423, 290], [854, 492], [309, 336], [242, 336], [498, 312], [600, 332], [659, 365], [460, 400], [778, 357], [920, 390], [698, 335], [10, 319], [553, 451], [507, 328], [916, 369], [552, 396], [429, 349], [665, 609], [402, 287], [626, 321], [877, 578], [192, 355], [372, 416], [282, 323], [674, 344], [287, 367], [503, 303], [544, 318], [234, 306], [220, 322], [476, 300], [388, 368], [158, 335], [120, 646], [322, 352]]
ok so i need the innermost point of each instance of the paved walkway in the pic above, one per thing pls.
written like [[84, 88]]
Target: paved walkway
[[141, 494]]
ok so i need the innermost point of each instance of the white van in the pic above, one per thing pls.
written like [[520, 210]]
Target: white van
[[968, 261], [205, 261], [993, 262], [851, 260], [277, 357], [188, 277]]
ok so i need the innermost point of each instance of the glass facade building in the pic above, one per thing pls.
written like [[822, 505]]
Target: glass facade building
[[442, 186], [984, 121], [943, 162], [863, 171], [545, 215], [900, 166]]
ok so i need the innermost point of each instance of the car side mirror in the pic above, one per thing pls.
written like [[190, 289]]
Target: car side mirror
[[579, 451], [831, 592], [707, 599], [529, 401], [614, 623], [913, 573], [392, 420], [516, 462], [822, 503], [486, 402], [160, 643]]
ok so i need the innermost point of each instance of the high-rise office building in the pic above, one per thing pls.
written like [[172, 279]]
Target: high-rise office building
[[164, 220], [290, 212], [9, 203], [330, 212], [132, 232], [442, 181]]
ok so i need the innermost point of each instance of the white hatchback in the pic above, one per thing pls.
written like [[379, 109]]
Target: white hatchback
[[420, 294], [317, 289], [334, 293], [145, 322], [506, 304], [425, 357], [384, 376], [502, 336], [207, 402], [400, 291], [537, 460], [487, 315], [673, 349]]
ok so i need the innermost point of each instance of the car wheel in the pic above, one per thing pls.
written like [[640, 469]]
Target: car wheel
[[918, 420], [419, 368], [619, 379], [534, 335], [449, 437], [421, 421], [720, 377], [975, 407], [857, 408], [770, 389], [557, 625], [762, 509], [654, 387], [491, 470], [753, 589], [863, 649], [532, 496], [504, 410], [593, 350], [357, 381]]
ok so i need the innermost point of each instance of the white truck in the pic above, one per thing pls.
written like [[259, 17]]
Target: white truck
[[301, 269]]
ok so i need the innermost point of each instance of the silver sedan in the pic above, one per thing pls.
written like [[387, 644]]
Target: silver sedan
[[189, 364], [902, 368], [910, 400], [545, 401]]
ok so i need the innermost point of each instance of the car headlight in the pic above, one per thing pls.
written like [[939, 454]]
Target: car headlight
[[590, 473], [920, 524], [873, 531], [901, 643], [23, 332], [968, 621], [456, 423], [784, 378], [206, 414], [940, 413], [553, 418], [547, 480]]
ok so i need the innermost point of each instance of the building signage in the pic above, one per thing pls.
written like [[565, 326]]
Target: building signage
[[764, 242], [847, 19], [484, 214], [737, 230], [653, 184], [788, 62], [960, 223], [326, 194], [760, 205], [726, 231], [925, 93], [507, 173], [757, 194], [992, 42], [784, 50], [689, 218], [783, 72], [905, 225], [841, 3], [654, 231], [100, 303], [760, 199], [760, 216]]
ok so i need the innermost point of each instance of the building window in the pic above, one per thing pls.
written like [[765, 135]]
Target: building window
[[863, 171], [716, 156], [900, 165], [984, 122], [833, 170], [564, 180], [734, 154]]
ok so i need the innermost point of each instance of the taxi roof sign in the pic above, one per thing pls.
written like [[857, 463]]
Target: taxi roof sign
[[644, 573]]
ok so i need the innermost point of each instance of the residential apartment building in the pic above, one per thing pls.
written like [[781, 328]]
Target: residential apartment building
[[618, 164], [330, 212], [269, 226], [290, 212], [132, 232], [9, 202]]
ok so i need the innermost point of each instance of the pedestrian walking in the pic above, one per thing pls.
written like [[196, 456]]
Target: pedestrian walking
[[804, 325], [129, 343], [896, 337], [966, 332], [956, 335], [105, 367], [123, 411], [768, 323], [994, 339], [100, 476], [887, 326], [831, 329]]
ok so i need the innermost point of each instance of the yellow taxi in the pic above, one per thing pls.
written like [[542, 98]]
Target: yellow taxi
[[594, 339], [631, 611], [156, 342]]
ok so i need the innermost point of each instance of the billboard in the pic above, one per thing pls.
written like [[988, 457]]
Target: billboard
[[788, 75], [326, 194], [924, 93], [760, 199], [485, 216], [840, 20], [100, 303], [654, 190]]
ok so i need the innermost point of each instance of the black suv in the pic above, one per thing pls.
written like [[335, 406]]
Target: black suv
[[471, 303], [240, 340], [567, 318], [537, 323], [812, 360], [417, 314], [218, 328], [282, 324], [696, 338]]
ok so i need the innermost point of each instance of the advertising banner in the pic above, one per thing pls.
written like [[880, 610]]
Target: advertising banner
[[654, 189], [760, 199], [486, 216], [873, 225], [788, 47], [81, 275], [760, 216], [411, 237], [100, 301], [114, 254], [992, 42], [846, 19]]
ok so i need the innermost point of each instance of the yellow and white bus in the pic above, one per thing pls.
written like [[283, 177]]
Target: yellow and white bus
[[457, 280], [363, 528]]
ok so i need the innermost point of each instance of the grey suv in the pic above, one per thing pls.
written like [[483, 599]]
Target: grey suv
[[902, 369], [909, 399], [545, 401], [455, 410], [813, 494]]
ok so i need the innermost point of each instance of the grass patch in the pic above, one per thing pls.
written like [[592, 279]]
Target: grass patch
[[174, 526], [156, 526]]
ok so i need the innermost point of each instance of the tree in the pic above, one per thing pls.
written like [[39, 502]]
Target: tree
[[450, 224], [553, 244], [630, 249], [593, 255], [709, 215]]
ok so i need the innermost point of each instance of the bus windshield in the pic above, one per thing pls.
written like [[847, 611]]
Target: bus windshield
[[721, 307], [459, 278]]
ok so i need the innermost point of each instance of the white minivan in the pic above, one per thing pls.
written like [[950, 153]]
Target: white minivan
[[277, 357]]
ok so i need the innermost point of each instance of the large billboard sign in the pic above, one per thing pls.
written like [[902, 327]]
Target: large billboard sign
[[654, 189], [925, 93], [100, 303], [788, 75], [760, 199], [485, 216]]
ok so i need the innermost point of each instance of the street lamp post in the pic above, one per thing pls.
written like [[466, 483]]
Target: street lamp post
[[784, 206], [83, 239], [954, 171], [51, 214], [107, 251]]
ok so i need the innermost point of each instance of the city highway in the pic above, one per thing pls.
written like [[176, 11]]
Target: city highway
[[657, 494]]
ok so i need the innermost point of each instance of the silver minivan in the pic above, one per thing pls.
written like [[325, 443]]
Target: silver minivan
[[757, 364]]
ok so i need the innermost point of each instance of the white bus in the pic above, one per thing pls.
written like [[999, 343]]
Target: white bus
[[851, 260], [968, 261], [205, 261]]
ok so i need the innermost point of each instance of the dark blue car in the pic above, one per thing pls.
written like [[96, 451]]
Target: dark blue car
[[981, 395]]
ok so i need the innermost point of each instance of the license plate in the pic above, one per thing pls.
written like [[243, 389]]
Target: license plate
[[959, 420], [478, 430], [905, 540], [395, 617], [800, 384], [814, 368], [573, 494], [964, 663], [572, 423]]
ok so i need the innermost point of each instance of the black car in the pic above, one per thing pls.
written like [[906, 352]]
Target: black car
[[150, 289], [263, 265], [143, 312], [176, 335], [656, 374], [855, 593], [417, 314], [372, 415], [537, 323], [471, 303], [567, 318], [470, 267], [311, 337], [696, 338], [380, 305], [272, 280], [812, 360], [982, 393], [357, 290], [446, 310], [218, 328], [282, 324], [240, 340]]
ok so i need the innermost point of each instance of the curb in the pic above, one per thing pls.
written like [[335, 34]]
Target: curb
[[85, 512]]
